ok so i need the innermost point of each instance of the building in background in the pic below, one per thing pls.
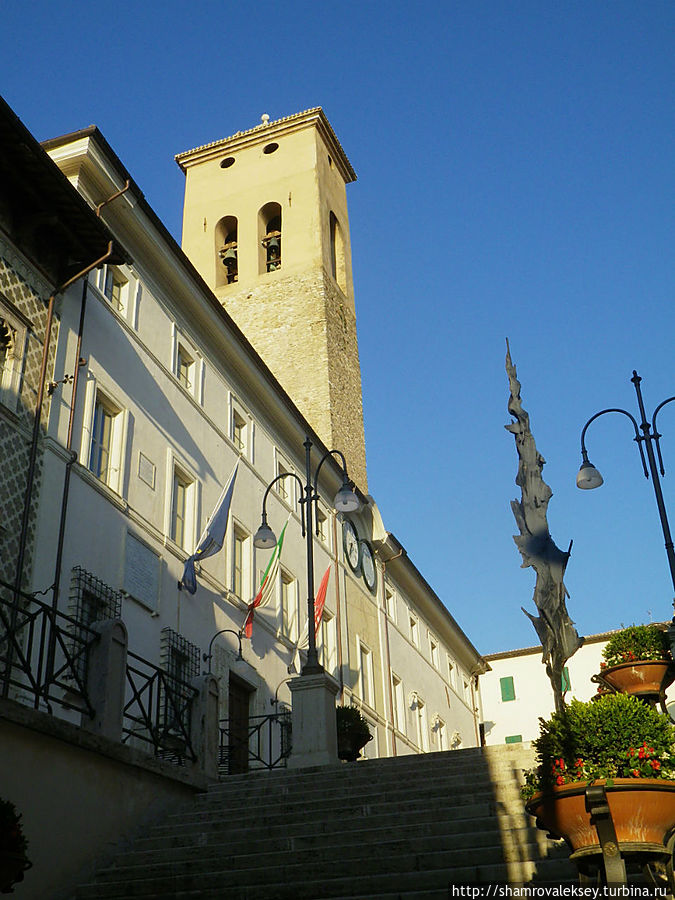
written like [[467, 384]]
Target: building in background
[[516, 691]]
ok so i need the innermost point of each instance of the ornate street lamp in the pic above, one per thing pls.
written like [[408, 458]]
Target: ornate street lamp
[[264, 538], [588, 476]]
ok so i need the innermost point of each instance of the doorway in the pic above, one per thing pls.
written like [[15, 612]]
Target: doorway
[[239, 702]]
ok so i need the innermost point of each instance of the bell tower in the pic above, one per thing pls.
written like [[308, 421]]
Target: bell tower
[[265, 223]]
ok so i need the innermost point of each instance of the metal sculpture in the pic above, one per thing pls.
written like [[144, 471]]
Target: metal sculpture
[[555, 629]]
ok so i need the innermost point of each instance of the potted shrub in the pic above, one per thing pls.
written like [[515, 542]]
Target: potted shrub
[[353, 732], [620, 742], [637, 660], [13, 846]]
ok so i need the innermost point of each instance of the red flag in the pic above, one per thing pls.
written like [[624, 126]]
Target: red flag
[[320, 601]]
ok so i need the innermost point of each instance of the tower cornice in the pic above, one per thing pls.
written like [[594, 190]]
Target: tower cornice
[[266, 132]]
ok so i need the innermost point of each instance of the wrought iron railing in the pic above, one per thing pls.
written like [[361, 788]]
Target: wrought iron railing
[[265, 743], [43, 653], [157, 714]]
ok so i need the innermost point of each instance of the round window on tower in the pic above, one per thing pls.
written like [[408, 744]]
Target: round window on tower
[[270, 148], [227, 162]]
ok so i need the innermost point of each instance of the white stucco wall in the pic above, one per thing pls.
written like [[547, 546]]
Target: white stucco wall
[[533, 693]]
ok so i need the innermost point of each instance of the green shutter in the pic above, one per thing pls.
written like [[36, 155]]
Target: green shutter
[[513, 739], [508, 689], [566, 684]]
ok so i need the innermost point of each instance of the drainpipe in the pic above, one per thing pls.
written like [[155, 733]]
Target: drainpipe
[[386, 634], [69, 448], [338, 615], [79, 362]]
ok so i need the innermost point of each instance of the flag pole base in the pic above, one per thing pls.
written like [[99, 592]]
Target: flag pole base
[[313, 721]]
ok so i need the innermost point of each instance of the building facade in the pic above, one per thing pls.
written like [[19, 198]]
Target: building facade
[[170, 395]]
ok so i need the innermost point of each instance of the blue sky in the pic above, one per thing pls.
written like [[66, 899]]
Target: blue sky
[[515, 178]]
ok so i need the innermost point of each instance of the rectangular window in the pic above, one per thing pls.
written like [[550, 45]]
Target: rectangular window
[[390, 603], [433, 651], [321, 526], [90, 600], [115, 288], [451, 671], [179, 504], [180, 660], [105, 446], [289, 606], [239, 431], [185, 366], [513, 739], [440, 731], [238, 563], [422, 726], [399, 703], [283, 486], [566, 684], [366, 675], [507, 688], [327, 644], [414, 631], [101, 440]]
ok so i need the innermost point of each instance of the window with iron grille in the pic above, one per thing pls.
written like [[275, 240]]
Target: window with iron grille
[[91, 600], [180, 660]]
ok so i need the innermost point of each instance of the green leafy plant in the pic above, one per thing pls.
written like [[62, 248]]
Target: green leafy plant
[[12, 838], [638, 642], [350, 721], [614, 736]]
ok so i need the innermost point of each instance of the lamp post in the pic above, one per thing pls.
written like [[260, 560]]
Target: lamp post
[[588, 476], [208, 656], [264, 538]]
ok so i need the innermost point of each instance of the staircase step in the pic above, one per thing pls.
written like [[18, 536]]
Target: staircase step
[[389, 829]]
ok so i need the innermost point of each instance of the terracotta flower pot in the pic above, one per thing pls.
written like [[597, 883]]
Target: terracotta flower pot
[[642, 677], [643, 811], [350, 745]]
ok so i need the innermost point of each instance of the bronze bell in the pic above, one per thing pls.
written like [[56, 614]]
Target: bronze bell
[[229, 257]]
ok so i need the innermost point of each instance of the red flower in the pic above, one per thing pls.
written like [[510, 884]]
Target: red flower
[[631, 752], [655, 764], [636, 773], [579, 764], [560, 780], [641, 752]]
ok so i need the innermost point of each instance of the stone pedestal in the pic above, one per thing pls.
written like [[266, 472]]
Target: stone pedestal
[[205, 733], [106, 679], [313, 720]]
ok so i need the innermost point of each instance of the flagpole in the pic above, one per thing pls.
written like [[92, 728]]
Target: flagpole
[[312, 666]]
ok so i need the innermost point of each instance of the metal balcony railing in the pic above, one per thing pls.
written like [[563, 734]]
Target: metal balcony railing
[[264, 742], [43, 653], [157, 714]]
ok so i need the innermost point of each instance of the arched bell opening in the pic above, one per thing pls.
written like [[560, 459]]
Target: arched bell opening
[[227, 261]]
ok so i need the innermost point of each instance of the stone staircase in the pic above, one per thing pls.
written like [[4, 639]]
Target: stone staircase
[[408, 827]]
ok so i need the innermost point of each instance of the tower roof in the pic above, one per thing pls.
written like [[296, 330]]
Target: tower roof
[[268, 130]]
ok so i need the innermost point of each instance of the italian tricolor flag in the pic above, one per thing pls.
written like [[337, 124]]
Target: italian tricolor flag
[[267, 585]]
